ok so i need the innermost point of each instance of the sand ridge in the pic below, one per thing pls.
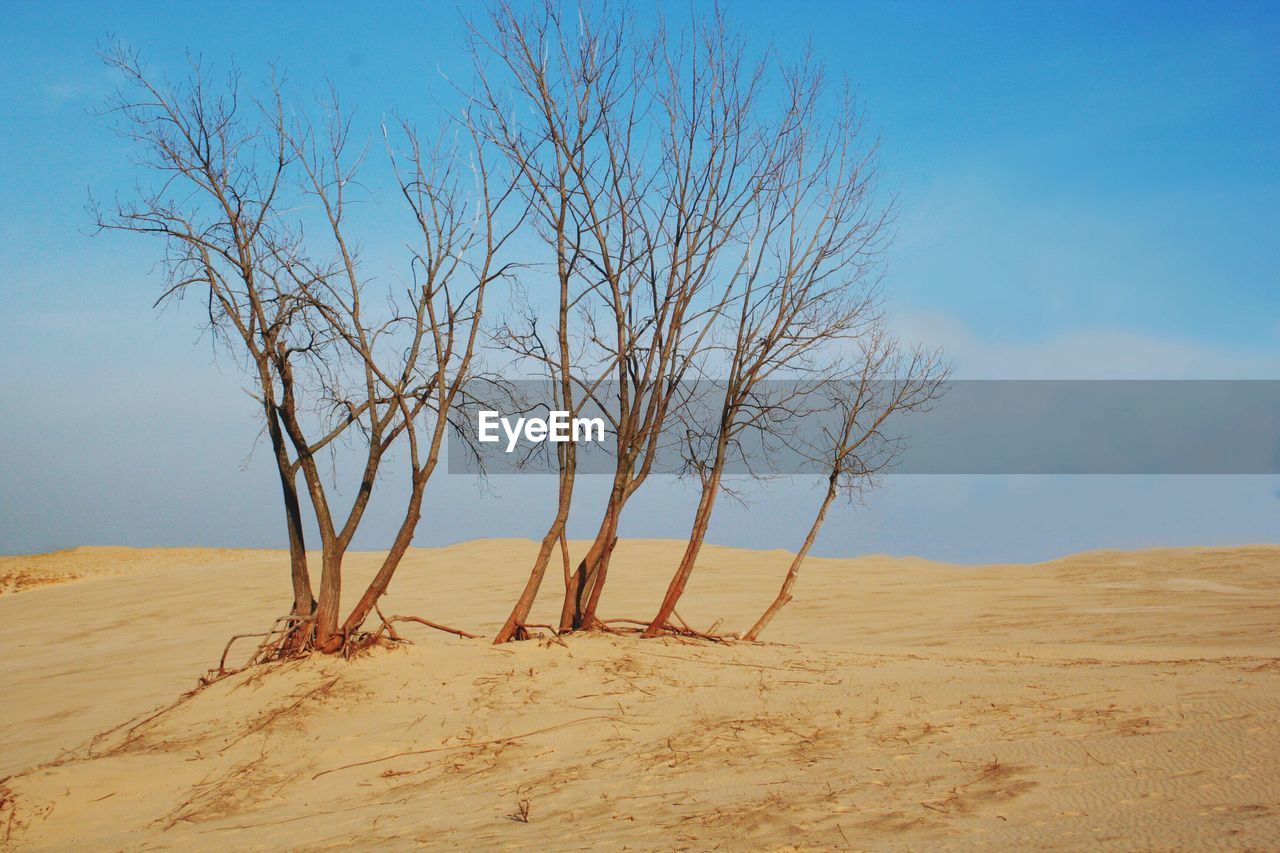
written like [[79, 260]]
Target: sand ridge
[[1128, 699], [21, 573]]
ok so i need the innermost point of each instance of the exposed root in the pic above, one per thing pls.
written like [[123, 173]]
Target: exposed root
[[529, 625], [293, 638], [637, 626], [685, 630], [522, 632], [606, 625], [387, 623], [130, 727], [308, 696], [668, 629], [628, 627], [289, 637], [671, 630]]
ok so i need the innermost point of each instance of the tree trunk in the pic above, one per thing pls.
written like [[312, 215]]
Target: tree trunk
[[327, 637], [602, 572], [701, 521], [584, 581], [520, 613], [380, 582], [784, 594], [303, 598], [304, 601], [564, 560]]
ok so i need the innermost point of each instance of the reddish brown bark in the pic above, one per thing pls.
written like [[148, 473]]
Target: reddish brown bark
[[602, 572], [793, 571], [586, 581], [701, 521], [404, 537], [513, 628]]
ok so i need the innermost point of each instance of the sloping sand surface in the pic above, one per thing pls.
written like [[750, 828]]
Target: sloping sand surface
[[1122, 699]]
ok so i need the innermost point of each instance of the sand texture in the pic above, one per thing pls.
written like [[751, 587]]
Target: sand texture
[[1109, 699]]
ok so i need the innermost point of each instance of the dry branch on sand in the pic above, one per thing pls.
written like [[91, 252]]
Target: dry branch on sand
[[521, 814], [471, 744]]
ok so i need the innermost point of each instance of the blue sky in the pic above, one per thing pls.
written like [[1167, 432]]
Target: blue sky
[[1086, 190]]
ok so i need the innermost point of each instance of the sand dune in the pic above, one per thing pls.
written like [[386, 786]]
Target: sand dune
[[1125, 699]]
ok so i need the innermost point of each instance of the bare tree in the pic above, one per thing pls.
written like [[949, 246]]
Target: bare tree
[[806, 285], [454, 263], [855, 443], [641, 157], [413, 361], [238, 182], [550, 90], [219, 180], [695, 228], [680, 173]]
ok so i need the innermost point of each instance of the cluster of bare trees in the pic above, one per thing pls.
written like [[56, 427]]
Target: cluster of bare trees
[[662, 212], [253, 203]]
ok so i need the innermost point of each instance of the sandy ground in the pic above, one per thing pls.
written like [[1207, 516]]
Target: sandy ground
[[1119, 699]]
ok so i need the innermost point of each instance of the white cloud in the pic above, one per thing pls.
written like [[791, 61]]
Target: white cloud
[[1084, 354]]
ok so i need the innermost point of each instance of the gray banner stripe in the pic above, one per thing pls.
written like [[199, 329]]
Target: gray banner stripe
[[977, 427]]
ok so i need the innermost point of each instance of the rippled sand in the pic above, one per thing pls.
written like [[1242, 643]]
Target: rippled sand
[[1125, 699]]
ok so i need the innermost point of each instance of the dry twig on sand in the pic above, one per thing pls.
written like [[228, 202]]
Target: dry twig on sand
[[467, 745]]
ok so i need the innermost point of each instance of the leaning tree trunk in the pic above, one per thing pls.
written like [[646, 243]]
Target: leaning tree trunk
[[701, 521], [300, 629], [514, 626], [304, 601], [784, 594], [602, 564], [584, 582], [602, 572], [404, 538]]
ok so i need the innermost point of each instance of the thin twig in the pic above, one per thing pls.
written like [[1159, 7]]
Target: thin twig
[[431, 624], [468, 745]]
